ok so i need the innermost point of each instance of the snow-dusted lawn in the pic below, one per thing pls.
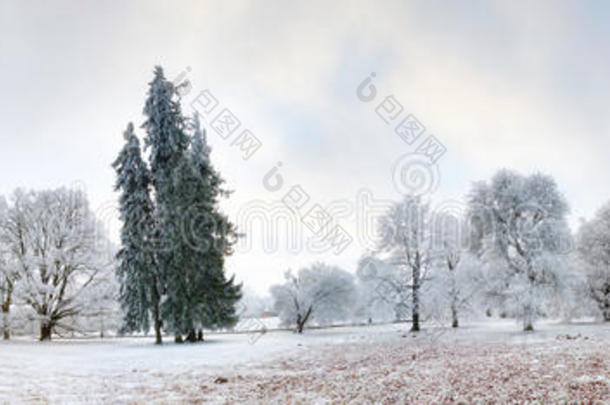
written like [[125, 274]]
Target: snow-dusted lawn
[[382, 364]]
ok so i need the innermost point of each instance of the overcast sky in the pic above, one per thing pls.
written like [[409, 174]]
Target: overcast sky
[[500, 84]]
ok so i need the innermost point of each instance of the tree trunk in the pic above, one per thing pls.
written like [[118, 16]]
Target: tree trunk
[[606, 311], [178, 339], [451, 264], [528, 319], [529, 308], [200, 335], [454, 316], [6, 319], [301, 321], [415, 311], [46, 329], [415, 324], [528, 315], [158, 337], [157, 316], [192, 336]]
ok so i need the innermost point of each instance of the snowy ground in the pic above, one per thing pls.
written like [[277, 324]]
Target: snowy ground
[[370, 364]]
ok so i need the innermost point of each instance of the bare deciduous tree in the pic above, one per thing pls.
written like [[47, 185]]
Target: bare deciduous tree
[[322, 293], [521, 220], [406, 239], [594, 248], [61, 250]]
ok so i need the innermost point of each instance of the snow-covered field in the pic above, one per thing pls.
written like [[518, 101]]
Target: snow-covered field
[[369, 364]]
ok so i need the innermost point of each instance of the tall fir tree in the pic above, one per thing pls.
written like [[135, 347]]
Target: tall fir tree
[[168, 142], [177, 307], [140, 291], [165, 133], [200, 296], [213, 236]]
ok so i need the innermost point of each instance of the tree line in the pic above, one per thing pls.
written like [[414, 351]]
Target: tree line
[[511, 252]]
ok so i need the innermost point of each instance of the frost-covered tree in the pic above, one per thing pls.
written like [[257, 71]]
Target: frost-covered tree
[[521, 221], [8, 270], [406, 239], [165, 135], [594, 249], [448, 242], [167, 141], [15, 241], [458, 278], [456, 290], [200, 295], [384, 291], [56, 240], [102, 311], [252, 305], [140, 278], [193, 236], [209, 236], [319, 293]]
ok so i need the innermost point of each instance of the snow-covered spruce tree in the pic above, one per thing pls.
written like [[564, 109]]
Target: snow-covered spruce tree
[[200, 296], [594, 249], [57, 246], [320, 293], [167, 141], [406, 240], [137, 271], [182, 295], [521, 220], [210, 236], [186, 188]]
